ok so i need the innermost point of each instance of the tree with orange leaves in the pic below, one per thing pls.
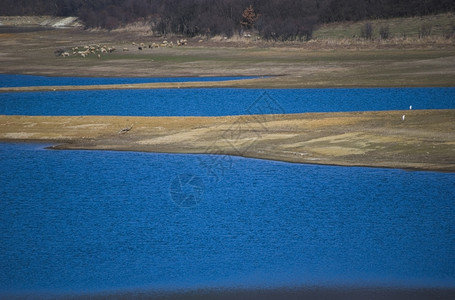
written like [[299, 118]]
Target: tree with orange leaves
[[249, 17]]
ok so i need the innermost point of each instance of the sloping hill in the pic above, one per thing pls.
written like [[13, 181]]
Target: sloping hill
[[441, 25], [37, 21]]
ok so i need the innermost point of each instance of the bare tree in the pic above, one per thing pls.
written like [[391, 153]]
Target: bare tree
[[384, 32], [274, 19], [367, 31], [425, 30]]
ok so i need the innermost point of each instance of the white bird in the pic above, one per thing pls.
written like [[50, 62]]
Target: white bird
[[410, 106], [403, 117]]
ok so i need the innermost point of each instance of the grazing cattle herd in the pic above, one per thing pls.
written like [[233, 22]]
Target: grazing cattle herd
[[99, 50]]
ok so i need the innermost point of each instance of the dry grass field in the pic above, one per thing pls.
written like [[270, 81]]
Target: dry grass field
[[323, 62], [425, 140]]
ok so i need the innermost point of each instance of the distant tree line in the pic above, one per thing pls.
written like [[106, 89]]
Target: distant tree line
[[272, 19]]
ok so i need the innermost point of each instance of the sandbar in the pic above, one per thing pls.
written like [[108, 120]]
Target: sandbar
[[425, 140]]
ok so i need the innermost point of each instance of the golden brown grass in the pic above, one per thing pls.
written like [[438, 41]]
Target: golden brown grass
[[425, 140]]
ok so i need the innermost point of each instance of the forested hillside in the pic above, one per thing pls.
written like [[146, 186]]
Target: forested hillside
[[273, 19]]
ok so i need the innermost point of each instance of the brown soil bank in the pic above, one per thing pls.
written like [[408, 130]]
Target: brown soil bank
[[424, 140]]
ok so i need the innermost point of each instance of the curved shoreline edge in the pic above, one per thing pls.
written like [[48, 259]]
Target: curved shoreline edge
[[131, 86], [266, 81], [424, 141]]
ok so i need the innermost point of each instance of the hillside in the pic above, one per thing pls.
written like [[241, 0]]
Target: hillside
[[440, 25], [40, 21], [273, 20]]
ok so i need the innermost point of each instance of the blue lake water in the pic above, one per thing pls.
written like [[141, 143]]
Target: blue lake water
[[217, 102], [94, 220], [7, 80], [102, 220]]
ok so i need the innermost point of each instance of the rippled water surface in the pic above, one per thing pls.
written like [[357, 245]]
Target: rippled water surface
[[90, 220], [102, 220], [219, 102], [7, 80]]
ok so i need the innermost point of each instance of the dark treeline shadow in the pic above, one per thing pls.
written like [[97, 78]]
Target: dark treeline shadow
[[271, 19]]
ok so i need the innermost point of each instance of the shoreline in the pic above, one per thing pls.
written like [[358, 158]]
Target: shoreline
[[250, 83], [60, 146], [424, 142], [151, 85], [315, 64]]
